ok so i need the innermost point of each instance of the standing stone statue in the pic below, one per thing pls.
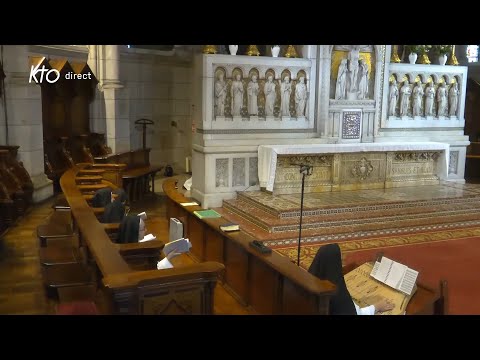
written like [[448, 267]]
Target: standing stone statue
[[363, 83], [353, 57], [392, 98], [285, 92], [405, 93], [220, 95], [300, 96], [417, 99], [429, 97], [453, 99], [237, 96], [252, 92], [270, 95], [442, 100], [341, 80]]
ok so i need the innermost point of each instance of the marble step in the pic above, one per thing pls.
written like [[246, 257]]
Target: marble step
[[360, 220], [292, 210]]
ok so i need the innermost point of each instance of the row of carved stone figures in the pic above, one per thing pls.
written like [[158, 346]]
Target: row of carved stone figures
[[446, 100], [237, 93]]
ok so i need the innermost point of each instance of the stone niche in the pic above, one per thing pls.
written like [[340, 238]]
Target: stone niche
[[350, 101]]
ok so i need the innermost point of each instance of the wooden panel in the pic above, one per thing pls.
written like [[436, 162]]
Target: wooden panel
[[264, 286], [213, 245], [236, 269], [296, 300], [195, 232]]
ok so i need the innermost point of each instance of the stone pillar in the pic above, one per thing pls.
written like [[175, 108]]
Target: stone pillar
[[461, 54], [97, 106], [24, 118], [116, 109]]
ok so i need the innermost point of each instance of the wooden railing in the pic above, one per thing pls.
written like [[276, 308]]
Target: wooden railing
[[269, 283], [188, 289]]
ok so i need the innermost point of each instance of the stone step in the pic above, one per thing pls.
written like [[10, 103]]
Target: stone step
[[271, 223], [292, 210]]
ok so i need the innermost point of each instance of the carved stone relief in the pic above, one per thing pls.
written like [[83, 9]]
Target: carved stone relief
[[221, 173], [238, 176], [362, 169], [453, 162], [257, 93], [351, 124], [253, 171]]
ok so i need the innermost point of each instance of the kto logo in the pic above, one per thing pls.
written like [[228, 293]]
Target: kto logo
[[51, 75]]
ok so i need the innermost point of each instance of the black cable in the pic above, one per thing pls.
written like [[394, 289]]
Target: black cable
[[4, 97]]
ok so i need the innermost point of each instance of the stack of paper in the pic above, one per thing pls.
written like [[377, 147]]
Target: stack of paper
[[148, 238], [179, 246]]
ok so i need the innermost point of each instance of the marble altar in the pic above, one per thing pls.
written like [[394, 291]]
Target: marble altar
[[339, 167]]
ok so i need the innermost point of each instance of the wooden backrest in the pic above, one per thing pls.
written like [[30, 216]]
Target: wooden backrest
[[128, 287], [16, 166], [11, 182], [133, 159]]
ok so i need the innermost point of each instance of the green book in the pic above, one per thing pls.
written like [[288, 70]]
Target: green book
[[206, 214]]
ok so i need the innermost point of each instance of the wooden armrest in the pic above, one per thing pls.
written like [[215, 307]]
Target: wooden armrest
[[108, 166], [98, 210], [152, 244], [209, 269], [111, 227]]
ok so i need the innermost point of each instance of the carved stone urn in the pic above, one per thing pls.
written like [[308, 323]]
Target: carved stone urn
[[442, 59], [275, 50], [233, 49], [412, 58]]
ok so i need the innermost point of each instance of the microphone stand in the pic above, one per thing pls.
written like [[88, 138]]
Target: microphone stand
[[304, 170]]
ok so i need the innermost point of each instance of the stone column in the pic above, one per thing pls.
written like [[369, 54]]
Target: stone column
[[24, 118], [116, 109], [461, 54]]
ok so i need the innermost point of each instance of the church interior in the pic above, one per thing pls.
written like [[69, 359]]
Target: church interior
[[209, 179]]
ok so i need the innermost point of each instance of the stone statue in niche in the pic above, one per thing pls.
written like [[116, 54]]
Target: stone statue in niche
[[392, 98], [270, 95], [300, 97], [442, 100], [453, 99], [417, 99], [356, 84], [429, 97], [405, 93], [353, 57], [220, 95], [285, 93], [363, 83], [252, 92], [237, 95], [340, 89]]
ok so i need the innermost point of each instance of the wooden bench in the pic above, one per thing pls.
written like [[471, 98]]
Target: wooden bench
[[187, 289]]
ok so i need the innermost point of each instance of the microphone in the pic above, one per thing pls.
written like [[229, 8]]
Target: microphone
[[305, 169]]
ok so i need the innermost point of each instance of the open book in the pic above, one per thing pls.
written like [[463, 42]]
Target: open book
[[395, 275], [365, 290], [180, 246]]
